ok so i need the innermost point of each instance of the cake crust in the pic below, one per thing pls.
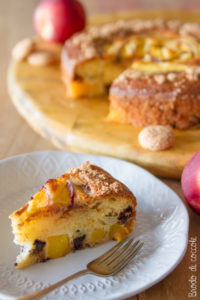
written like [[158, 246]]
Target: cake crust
[[170, 98], [101, 183]]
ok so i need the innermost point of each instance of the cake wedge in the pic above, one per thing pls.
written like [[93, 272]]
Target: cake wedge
[[83, 207]]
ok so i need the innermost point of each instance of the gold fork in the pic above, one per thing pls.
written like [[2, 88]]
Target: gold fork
[[110, 263]]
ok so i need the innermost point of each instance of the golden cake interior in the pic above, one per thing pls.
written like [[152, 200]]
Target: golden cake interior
[[82, 208]]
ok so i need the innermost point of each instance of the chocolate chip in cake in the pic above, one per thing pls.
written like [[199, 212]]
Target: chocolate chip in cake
[[125, 215], [78, 242], [173, 125], [118, 57], [39, 245], [107, 88], [44, 260]]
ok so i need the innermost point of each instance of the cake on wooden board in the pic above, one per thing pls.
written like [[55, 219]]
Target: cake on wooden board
[[162, 58]]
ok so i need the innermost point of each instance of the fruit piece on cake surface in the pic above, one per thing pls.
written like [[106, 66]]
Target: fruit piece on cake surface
[[84, 207], [94, 58], [58, 20], [190, 182]]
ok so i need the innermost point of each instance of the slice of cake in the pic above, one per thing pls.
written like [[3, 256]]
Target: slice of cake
[[84, 207]]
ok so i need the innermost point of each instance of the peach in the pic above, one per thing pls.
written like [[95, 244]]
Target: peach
[[118, 232], [190, 182], [97, 235], [58, 20], [58, 192], [58, 246]]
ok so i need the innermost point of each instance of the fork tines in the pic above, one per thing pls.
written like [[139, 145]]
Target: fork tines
[[120, 255]]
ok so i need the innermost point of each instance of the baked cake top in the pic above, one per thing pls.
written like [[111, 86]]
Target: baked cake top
[[99, 183], [85, 185], [96, 41], [175, 77]]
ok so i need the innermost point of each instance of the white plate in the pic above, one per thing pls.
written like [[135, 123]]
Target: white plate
[[162, 223]]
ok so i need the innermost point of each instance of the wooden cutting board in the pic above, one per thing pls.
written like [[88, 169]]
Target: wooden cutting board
[[81, 125]]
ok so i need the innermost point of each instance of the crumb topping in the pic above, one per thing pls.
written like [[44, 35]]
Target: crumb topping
[[176, 79], [171, 76], [127, 75], [101, 183], [90, 43], [159, 78], [193, 73]]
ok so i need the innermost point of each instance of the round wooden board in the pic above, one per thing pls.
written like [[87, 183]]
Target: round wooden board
[[81, 125]]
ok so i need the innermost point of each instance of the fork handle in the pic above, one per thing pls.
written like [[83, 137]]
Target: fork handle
[[41, 293]]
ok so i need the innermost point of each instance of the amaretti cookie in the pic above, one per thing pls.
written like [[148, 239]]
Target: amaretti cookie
[[156, 138]]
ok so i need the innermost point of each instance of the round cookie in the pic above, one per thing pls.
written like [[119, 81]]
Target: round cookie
[[156, 138], [22, 49], [41, 58]]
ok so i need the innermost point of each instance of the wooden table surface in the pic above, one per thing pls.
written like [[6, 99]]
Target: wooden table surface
[[17, 137]]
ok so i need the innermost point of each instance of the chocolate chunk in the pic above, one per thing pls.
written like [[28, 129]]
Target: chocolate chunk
[[39, 245], [125, 215], [107, 88], [173, 125], [78, 242], [44, 260], [118, 57]]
